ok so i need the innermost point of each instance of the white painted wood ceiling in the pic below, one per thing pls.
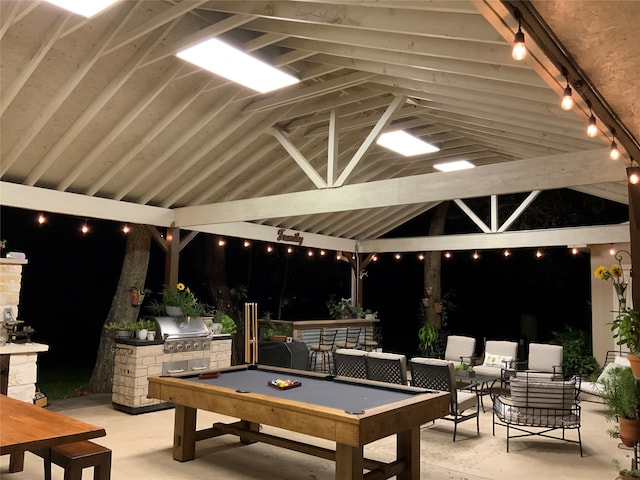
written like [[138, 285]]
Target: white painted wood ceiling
[[100, 119]]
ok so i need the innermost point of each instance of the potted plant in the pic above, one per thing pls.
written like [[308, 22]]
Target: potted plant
[[621, 395], [179, 302], [138, 293], [627, 330], [120, 330], [343, 308], [228, 324], [278, 331], [627, 473], [427, 338]]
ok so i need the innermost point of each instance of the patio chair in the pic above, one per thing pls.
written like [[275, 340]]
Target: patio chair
[[499, 358], [350, 362], [545, 359], [459, 347], [387, 367], [351, 338], [440, 375], [324, 348]]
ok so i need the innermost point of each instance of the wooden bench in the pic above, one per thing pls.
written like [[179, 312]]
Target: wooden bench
[[74, 457]]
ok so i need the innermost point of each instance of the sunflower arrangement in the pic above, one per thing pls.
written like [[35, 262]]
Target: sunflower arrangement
[[182, 297], [615, 273]]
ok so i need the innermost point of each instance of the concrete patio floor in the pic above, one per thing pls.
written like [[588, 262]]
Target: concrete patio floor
[[141, 447]]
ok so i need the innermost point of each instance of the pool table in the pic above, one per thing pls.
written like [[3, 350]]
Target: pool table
[[348, 411]]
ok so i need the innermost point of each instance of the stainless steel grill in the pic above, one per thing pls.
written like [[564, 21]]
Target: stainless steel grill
[[183, 334]]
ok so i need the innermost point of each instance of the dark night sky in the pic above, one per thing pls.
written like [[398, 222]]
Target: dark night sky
[[68, 284]]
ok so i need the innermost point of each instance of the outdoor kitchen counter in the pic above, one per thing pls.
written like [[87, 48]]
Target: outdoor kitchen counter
[[135, 360], [19, 369]]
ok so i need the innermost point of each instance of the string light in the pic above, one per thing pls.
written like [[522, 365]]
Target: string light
[[85, 228], [507, 253], [475, 255], [397, 256], [289, 250], [634, 178], [567, 97], [222, 242], [322, 253], [309, 253], [614, 153], [421, 256], [538, 253], [592, 128], [519, 51], [374, 258], [246, 244], [41, 219], [126, 229], [447, 254], [574, 251], [269, 249]]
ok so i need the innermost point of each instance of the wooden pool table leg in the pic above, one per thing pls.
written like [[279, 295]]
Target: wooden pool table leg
[[408, 448], [16, 462], [184, 433], [349, 462]]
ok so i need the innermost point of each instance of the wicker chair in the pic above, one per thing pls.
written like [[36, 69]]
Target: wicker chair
[[325, 349], [387, 367], [350, 362], [440, 375]]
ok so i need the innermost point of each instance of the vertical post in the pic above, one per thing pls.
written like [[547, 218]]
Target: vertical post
[[251, 333], [634, 233]]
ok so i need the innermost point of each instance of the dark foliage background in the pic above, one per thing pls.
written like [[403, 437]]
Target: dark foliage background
[[70, 279]]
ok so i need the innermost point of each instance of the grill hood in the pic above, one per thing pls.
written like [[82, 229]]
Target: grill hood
[[181, 327]]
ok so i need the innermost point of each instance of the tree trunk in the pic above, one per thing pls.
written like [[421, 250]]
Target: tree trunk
[[216, 278], [134, 272], [432, 269]]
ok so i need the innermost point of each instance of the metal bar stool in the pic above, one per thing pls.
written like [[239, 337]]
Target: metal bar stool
[[324, 348]]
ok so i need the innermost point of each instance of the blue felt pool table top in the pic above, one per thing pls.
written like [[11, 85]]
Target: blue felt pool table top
[[351, 396]]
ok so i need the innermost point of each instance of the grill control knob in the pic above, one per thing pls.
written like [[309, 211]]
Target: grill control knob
[[196, 345], [187, 346], [169, 348], [179, 347]]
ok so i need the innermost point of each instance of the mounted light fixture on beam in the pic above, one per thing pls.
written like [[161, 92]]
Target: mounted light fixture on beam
[[519, 51], [614, 153], [405, 144], [567, 96], [85, 8]]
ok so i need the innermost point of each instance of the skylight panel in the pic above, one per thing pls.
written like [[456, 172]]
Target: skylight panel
[[86, 8], [453, 166], [405, 144], [235, 65]]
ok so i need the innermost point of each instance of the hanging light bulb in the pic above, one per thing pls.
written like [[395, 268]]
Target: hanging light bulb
[[634, 179], [374, 258], [126, 229], [221, 242], [322, 253], [538, 253], [289, 250], [519, 51], [85, 228], [397, 256], [447, 254], [592, 128], [421, 256], [246, 244], [614, 153], [507, 253], [41, 219], [269, 249], [574, 251], [309, 253], [567, 98], [475, 255], [612, 251]]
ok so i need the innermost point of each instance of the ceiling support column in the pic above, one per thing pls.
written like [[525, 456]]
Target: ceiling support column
[[634, 232], [172, 245]]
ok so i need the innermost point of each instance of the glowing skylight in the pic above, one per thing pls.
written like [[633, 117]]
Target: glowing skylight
[[86, 8], [405, 144], [453, 166], [235, 65]]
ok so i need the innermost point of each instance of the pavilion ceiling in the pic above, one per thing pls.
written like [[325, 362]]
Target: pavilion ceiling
[[99, 118]]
